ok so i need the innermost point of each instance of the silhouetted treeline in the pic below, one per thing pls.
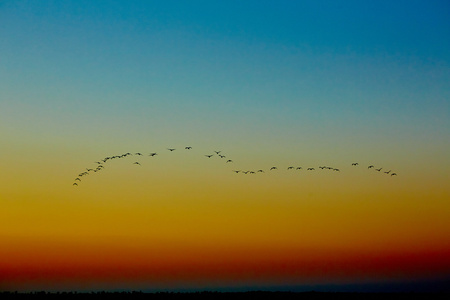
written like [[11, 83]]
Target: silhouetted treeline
[[227, 295]]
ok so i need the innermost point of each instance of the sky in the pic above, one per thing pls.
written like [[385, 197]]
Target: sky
[[280, 84]]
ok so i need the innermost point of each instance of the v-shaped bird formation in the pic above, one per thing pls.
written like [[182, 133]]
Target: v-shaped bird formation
[[100, 165]]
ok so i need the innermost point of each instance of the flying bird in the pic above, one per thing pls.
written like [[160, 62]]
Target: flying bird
[[137, 153], [371, 166], [260, 171], [290, 168], [310, 169], [188, 148], [209, 156], [394, 174], [217, 152], [171, 149], [75, 183], [153, 154], [136, 163], [355, 164], [273, 168], [78, 179], [378, 169], [387, 172], [229, 161], [298, 168], [236, 171]]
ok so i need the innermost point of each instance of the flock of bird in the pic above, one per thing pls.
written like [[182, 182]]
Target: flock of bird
[[101, 164]]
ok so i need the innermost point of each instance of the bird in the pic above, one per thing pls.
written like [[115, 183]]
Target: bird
[[298, 168], [78, 179], [310, 169], [171, 149], [252, 172], [378, 169], [394, 174], [371, 166], [138, 153], [290, 168], [98, 162], [260, 171], [209, 156], [387, 172], [355, 164], [236, 171], [273, 168], [229, 161], [153, 154], [188, 148], [222, 156], [136, 163], [75, 183], [336, 170], [217, 152]]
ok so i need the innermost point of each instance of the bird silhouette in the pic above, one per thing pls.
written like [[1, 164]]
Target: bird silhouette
[[153, 154], [75, 183], [217, 152], [228, 161], [78, 179], [387, 172], [260, 171], [298, 168], [236, 171], [171, 149], [290, 168], [394, 174], [355, 164], [274, 168], [310, 169], [136, 163], [188, 148], [222, 156], [371, 166], [336, 170], [378, 169], [209, 156]]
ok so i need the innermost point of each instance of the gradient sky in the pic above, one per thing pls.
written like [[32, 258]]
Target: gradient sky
[[269, 83]]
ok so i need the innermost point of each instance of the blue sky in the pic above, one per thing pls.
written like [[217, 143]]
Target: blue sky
[[369, 69]]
